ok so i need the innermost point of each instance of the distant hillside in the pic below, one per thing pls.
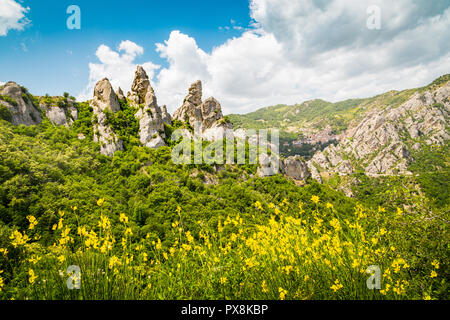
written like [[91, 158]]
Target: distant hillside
[[311, 117]]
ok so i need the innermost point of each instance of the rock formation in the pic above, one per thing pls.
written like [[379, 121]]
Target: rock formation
[[382, 143], [59, 115], [139, 87], [19, 105], [296, 168], [207, 113], [151, 117], [105, 101], [120, 95]]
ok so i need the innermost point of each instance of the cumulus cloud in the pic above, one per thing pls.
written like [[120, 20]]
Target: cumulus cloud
[[12, 16], [300, 50], [116, 65]]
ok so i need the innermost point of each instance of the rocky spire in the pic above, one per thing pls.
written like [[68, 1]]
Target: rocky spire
[[191, 110], [120, 94], [150, 116], [140, 86], [105, 100]]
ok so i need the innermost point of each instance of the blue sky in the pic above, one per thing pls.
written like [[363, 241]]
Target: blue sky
[[47, 57], [248, 53]]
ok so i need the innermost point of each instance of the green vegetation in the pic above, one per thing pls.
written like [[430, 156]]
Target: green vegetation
[[141, 227]]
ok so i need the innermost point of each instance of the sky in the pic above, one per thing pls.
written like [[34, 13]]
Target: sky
[[248, 53]]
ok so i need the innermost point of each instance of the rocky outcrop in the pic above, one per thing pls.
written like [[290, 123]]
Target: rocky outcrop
[[166, 117], [382, 143], [151, 124], [296, 168], [60, 114], [105, 101], [207, 113], [22, 109], [120, 95], [139, 87], [191, 110], [151, 117]]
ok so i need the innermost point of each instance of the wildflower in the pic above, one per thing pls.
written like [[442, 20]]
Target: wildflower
[[4, 251], [123, 218], [32, 276], [427, 297], [61, 259], [158, 245], [223, 280], [34, 259], [336, 286], [329, 205], [1, 281], [175, 224], [128, 232], [381, 209], [258, 206], [433, 274], [264, 287], [114, 261], [315, 199], [435, 264], [399, 211], [18, 238], [100, 202], [282, 292], [33, 222]]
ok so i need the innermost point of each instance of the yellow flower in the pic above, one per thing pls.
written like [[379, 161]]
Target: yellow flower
[[100, 202], [34, 259], [123, 218], [223, 280], [315, 199], [264, 287], [336, 286], [33, 222], [1, 281], [433, 274], [283, 293], [399, 211], [61, 259], [158, 245], [32, 276], [128, 232], [435, 264], [329, 205], [4, 251], [427, 297], [114, 261]]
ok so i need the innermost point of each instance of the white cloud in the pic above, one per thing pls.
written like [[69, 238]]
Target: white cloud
[[118, 66], [299, 50], [12, 16]]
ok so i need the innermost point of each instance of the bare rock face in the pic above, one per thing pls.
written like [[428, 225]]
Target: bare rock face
[[120, 94], [382, 143], [60, 115], [139, 87], [269, 165], [191, 111], [207, 113], [151, 124], [211, 112], [21, 108], [296, 168], [166, 117], [105, 100]]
